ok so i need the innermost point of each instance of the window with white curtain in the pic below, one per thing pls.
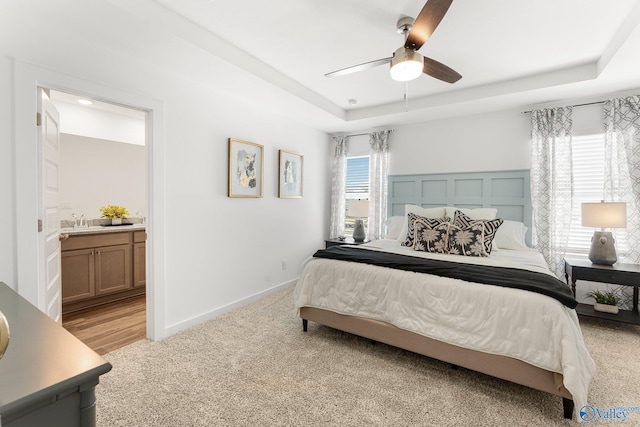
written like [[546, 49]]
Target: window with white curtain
[[588, 185], [357, 185]]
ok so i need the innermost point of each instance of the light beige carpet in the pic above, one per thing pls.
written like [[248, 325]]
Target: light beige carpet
[[255, 367]]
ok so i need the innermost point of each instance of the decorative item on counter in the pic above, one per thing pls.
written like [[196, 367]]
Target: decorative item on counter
[[140, 217], [4, 334], [116, 213]]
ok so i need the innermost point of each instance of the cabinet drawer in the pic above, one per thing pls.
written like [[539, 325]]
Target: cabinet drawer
[[139, 236], [94, 240]]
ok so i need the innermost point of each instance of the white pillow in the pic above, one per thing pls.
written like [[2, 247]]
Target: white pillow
[[418, 210], [394, 226], [511, 235], [479, 213]]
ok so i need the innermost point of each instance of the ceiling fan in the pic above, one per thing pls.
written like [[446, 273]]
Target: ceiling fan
[[406, 63]]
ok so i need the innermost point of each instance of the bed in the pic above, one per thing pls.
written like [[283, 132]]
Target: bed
[[528, 336]]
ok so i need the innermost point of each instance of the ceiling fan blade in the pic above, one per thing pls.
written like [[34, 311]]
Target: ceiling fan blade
[[359, 67], [440, 71], [426, 23]]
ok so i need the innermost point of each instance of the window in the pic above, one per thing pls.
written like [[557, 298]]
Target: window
[[357, 185], [357, 177], [588, 186]]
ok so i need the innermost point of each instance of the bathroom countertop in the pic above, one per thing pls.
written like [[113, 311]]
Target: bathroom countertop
[[103, 229]]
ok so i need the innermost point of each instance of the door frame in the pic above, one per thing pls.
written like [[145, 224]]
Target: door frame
[[30, 283]]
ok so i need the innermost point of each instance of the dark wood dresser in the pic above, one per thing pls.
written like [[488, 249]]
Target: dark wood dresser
[[47, 376]]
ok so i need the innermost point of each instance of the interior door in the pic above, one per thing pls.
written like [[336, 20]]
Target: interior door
[[48, 211]]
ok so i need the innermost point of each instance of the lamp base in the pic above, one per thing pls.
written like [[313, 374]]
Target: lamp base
[[358, 232], [602, 251]]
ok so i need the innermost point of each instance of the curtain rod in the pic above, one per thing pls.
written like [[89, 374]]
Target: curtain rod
[[576, 105], [361, 134]]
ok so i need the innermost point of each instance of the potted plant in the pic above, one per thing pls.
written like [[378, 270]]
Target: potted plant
[[606, 302], [116, 213]]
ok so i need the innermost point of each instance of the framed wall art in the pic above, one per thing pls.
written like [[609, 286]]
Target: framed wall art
[[246, 168], [290, 175]]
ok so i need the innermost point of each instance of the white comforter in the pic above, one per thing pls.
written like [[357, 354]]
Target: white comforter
[[524, 325]]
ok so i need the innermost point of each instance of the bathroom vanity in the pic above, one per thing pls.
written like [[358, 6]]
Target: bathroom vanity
[[102, 265]]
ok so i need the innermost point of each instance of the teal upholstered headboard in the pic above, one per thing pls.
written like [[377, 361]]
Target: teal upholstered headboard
[[507, 191]]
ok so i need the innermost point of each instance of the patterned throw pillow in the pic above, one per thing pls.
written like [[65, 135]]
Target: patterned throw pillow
[[467, 241], [472, 237], [430, 238], [411, 227]]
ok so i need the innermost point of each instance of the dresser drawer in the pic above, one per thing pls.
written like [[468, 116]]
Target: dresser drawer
[[605, 276]]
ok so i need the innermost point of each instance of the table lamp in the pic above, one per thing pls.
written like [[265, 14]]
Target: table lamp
[[359, 209], [603, 215]]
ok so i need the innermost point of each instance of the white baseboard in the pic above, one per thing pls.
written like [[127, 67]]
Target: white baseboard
[[177, 327]]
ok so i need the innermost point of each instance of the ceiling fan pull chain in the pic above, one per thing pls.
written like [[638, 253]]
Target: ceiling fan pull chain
[[406, 96]]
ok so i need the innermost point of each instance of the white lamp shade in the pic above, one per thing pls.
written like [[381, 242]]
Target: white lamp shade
[[406, 64], [359, 208], [604, 215]]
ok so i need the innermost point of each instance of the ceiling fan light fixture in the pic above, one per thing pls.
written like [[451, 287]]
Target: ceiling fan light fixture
[[406, 64]]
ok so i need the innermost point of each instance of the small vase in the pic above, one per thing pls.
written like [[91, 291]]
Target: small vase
[[4, 334], [116, 221], [605, 308]]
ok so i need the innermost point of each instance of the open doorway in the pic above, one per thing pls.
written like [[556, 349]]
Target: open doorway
[[102, 162]]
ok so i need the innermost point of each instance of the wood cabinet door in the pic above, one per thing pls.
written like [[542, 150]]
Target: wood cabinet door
[[139, 264], [113, 269], [78, 275]]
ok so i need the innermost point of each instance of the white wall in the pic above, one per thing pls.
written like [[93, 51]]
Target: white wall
[[211, 252], [483, 142], [96, 172], [358, 146], [7, 183], [224, 249]]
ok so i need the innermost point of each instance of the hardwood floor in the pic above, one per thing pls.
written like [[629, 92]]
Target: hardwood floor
[[111, 326]]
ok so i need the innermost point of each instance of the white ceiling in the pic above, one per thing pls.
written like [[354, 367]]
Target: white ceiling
[[68, 99], [101, 120], [510, 53], [274, 53]]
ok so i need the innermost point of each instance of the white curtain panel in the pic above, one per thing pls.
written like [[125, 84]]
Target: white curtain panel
[[551, 183], [622, 166], [378, 172], [338, 187]]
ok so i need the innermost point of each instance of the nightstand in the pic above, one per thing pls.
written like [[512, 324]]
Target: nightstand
[[348, 241], [617, 274]]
